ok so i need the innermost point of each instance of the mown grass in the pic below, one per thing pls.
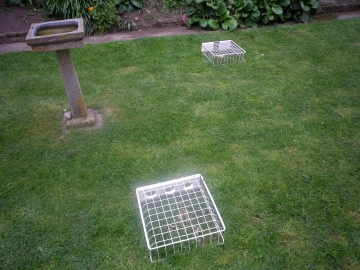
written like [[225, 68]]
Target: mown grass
[[279, 151]]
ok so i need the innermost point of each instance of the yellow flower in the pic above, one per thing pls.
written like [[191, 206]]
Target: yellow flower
[[91, 8]]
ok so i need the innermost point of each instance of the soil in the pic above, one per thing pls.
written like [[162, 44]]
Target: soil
[[152, 15], [15, 21]]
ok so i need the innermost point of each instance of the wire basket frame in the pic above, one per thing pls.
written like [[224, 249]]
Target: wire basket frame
[[223, 52], [178, 215]]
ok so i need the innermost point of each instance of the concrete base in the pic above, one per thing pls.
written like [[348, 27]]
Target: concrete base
[[93, 120]]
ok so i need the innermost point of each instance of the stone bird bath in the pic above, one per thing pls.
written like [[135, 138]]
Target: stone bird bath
[[61, 36]]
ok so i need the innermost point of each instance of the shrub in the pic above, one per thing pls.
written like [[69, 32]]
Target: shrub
[[103, 15], [99, 16], [244, 13]]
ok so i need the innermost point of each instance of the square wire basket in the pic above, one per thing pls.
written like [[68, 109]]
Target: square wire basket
[[178, 215], [223, 52]]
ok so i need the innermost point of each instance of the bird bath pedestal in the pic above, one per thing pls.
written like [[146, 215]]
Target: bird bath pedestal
[[61, 36]]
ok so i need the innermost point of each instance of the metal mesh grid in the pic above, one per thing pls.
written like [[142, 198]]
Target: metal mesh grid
[[223, 52], [178, 215]]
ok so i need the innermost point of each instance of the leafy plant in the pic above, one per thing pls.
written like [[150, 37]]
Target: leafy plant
[[227, 21], [103, 17], [245, 13], [301, 9], [211, 14], [198, 12], [274, 10], [99, 16]]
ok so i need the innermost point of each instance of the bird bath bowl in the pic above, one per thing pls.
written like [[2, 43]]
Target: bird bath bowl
[[61, 36], [56, 35]]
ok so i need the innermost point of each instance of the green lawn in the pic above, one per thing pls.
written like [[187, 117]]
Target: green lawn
[[279, 151]]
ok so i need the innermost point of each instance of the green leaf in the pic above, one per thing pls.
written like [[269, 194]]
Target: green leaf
[[285, 3], [203, 23], [189, 22], [287, 15], [130, 8], [255, 13], [225, 16], [221, 9], [122, 9], [190, 10], [305, 16], [230, 24], [242, 24], [249, 21], [315, 5], [266, 6], [249, 5], [277, 9], [262, 5], [136, 3], [211, 5], [304, 7], [214, 24], [196, 18]]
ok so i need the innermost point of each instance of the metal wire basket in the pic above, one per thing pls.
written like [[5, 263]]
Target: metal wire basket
[[178, 215], [223, 52]]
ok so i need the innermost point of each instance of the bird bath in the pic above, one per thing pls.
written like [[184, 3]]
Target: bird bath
[[56, 35], [61, 36]]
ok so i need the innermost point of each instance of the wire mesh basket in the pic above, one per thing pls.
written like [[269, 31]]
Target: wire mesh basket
[[223, 52], [178, 215]]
